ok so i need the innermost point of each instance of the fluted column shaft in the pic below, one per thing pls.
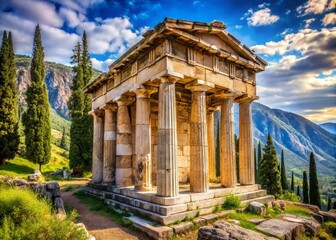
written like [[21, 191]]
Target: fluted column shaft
[[211, 146], [124, 146], [109, 145], [98, 143], [246, 162], [167, 167], [143, 162], [227, 145]]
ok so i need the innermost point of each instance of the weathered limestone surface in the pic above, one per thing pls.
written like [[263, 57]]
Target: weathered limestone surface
[[281, 229], [211, 145], [167, 167], [246, 161], [311, 225], [109, 144], [124, 145], [143, 165], [98, 145], [227, 144]]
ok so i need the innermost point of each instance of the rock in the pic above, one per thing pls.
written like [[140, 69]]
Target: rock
[[256, 220], [81, 225], [33, 177], [327, 217], [61, 172], [59, 205], [317, 217], [54, 188], [281, 229], [312, 208], [280, 204], [19, 182], [234, 221], [311, 225], [222, 230], [37, 172], [258, 208]]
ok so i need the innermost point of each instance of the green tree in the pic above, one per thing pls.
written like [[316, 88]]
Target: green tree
[[269, 169], [334, 205], [284, 182], [81, 130], [255, 166], [305, 188], [63, 143], [292, 183], [298, 192], [9, 119], [329, 203], [314, 191], [259, 160], [37, 118]]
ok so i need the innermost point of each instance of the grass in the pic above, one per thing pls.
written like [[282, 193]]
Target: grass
[[297, 210]]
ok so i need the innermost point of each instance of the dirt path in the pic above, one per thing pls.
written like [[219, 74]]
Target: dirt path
[[102, 228]]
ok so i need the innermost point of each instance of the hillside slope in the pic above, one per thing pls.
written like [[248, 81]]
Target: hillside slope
[[329, 126]]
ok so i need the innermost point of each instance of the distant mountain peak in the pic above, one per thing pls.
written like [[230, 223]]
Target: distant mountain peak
[[329, 126]]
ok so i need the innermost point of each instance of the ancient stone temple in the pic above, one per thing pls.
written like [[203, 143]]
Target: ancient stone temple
[[154, 119]]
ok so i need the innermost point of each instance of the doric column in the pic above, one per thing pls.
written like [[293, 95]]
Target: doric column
[[211, 145], [227, 145], [246, 162], [98, 145], [143, 162], [199, 175], [167, 167], [109, 144], [124, 144]]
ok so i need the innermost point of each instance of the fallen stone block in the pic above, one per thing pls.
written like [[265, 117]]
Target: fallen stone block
[[281, 229], [327, 217], [312, 208], [311, 225], [257, 208]]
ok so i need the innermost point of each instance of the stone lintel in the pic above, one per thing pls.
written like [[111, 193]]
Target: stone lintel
[[169, 75], [246, 98], [98, 112], [199, 85], [111, 107], [124, 100]]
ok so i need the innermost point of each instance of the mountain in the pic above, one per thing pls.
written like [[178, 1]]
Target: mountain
[[329, 126]]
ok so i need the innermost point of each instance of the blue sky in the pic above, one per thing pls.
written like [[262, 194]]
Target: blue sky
[[296, 38]]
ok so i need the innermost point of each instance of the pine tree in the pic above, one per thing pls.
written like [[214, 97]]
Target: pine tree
[[269, 171], [292, 183], [314, 191], [63, 143], [37, 118], [298, 192], [329, 203], [9, 121], [237, 156], [334, 205], [259, 160], [305, 188], [284, 182]]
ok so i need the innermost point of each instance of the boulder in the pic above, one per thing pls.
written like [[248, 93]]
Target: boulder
[[317, 217], [281, 229], [311, 225], [37, 172], [257, 208], [312, 208], [54, 188], [222, 230], [81, 225], [59, 205], [280, 204], [33, 177], [327, 217]]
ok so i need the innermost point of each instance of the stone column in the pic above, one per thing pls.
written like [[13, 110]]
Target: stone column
[[124, 145], [98, 145], [143, 162], [109, 144], [199, 175], [167, 167], [211, 145], [246, 162], [227, 144]]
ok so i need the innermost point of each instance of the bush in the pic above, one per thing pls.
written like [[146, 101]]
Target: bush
[[24, 216], [231, 202], [290, 196], [330, 228]]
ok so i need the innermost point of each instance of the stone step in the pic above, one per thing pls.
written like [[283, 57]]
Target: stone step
[[264, 199]]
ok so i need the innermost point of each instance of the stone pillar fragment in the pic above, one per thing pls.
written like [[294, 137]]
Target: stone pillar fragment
[[143, 164], [98, 145], [109, 144], [246, 162], [211, 145], [167, 167], [123, 145], [227, 145], [199, 175]]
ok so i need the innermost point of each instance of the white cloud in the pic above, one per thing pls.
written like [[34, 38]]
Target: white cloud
[[101, 65], [71, 17], [308, 22], [264, 5], [288, 11], [238, 26], [262, 17], [315, 7], [329, 18]]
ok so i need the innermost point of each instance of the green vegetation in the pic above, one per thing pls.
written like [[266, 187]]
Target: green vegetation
[[9, 121], [243, 219], [24, 216], [269, 169], [81, 131], [297, 210], [259, 161], [37, 118], [284, 183], [290, 196], [314, 191], [292, 182], [305, 188], [231, 202]]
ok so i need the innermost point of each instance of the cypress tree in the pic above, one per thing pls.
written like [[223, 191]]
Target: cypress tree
[[329, 203], [298, 192], [217, 150], [259, 160], [314, 191], [334, 205], [305, 188], [9, 134], [37, 118], [284, 182], [292, 183], [269, 169], [237, 156], [63, 143], [255, 166]]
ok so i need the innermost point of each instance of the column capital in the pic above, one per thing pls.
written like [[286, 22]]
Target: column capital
[[110, 107], [124, 100], [97, 112], [142, 91], [199, 85], [246, 98], [225, 94]]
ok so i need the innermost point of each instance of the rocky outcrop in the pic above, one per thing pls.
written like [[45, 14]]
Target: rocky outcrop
[[281, 229], [310, 224], [222, 230]]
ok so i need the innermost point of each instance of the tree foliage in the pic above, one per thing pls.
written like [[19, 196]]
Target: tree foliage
[[329, 203], [269, 169], [259, 160], [37, 118], [284, 183], [314, 191], [63, 142], [298, 192], [9, 119], [305, 188], [292, 182]]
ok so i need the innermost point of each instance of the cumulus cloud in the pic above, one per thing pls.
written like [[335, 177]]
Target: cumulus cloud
[[101, 65], [320, 115], [260, 17], [308, 22], [329, 18], [315, 7], [71, 17]]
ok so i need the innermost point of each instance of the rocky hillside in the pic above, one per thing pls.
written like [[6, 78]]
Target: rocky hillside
[[329, 126]]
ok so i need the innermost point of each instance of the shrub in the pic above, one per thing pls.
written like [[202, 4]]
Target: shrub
[[330, 228], [290, 196], [231, 202], [24, 216]]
